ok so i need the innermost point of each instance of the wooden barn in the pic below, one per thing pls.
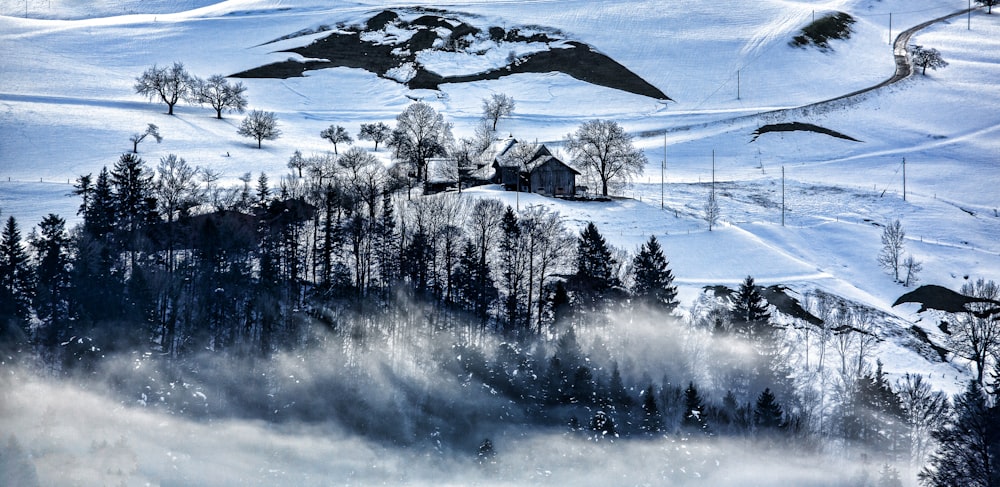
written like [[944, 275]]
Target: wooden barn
[[532, 168]]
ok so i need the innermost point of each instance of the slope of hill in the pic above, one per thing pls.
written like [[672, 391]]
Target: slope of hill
[[67, 108]]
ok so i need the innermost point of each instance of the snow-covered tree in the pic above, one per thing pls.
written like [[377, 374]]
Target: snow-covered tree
[[711, 211], [170, 85], [926, 58], [602, 149], [260, 125]]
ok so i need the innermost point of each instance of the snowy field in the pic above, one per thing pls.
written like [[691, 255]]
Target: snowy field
[[67, 108]]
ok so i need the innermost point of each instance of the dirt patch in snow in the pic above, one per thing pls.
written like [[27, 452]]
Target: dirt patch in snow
[[354, 48], [799, 126]]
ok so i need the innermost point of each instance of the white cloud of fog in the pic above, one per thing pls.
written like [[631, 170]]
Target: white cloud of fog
[[77, 436]]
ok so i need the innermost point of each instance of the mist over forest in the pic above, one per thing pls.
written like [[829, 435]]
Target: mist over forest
[[296, 242]]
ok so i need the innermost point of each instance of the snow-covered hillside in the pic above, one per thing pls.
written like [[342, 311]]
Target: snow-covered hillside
[[67, 108]]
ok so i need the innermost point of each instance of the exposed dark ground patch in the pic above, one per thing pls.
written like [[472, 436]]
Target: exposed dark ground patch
[[799, 126], [820, 31], [345, 48]]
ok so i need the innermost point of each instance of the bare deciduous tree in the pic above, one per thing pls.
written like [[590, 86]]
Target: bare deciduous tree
[[151, 130], [260, 125], [220, 94], [976, 336], [297, 162], [912, 266], [604, 150], [170, 85], [336, 135], [421, 133], [924, 409], [891, 256], [375, 132], [177, 188], [497, 106]]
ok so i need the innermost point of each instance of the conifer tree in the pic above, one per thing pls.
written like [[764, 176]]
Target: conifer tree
[[693, 420], [594, 278], [16, 285], [967, 453], [749, 311], [512, 273], [767, 414], [388, 244], [474, 292], [99, 214], [653, 282], [51, 245], [652, 420]]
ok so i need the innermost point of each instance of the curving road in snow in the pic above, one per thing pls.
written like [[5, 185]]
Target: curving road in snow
[[904, 68]]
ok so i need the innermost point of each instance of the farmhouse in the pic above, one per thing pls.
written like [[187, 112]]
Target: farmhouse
[[532, 168]]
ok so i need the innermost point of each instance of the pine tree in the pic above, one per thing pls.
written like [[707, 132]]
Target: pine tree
[[16, 286], [132, 186], [388, 244], [653, 282], [967, 445], [767, 414], [474, 290], [99, 213], [889, 477], [749, 311], [619, 398], [603, 425], [594, 277], [512, 273], [693, 420], [874, 414], [52, 274], [652, 420]]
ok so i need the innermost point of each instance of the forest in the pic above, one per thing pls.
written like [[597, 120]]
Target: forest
[[475, 317]]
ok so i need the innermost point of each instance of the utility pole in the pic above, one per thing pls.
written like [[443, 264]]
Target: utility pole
[[782, 195], [737, 84], [890, 28], [663, 168], [904, 179], [970, 15]]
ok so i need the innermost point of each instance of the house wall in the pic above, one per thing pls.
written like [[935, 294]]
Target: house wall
[[553, 179]]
